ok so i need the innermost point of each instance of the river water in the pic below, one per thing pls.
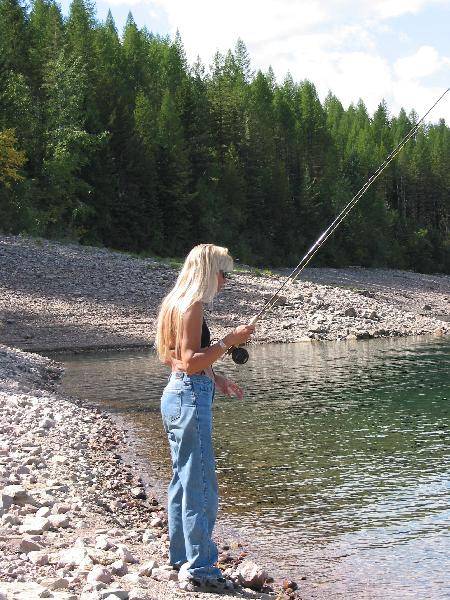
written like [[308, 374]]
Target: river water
[[335, 465]]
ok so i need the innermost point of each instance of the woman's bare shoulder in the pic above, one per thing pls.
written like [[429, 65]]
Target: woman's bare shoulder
[[195, 310]]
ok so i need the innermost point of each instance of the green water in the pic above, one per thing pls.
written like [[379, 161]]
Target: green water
[[335, 465]]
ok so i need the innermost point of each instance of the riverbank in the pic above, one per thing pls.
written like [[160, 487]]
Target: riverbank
[[64, 296], [77, 522]]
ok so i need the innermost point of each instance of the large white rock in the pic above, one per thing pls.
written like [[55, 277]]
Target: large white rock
[[133, 579], [74, 557], [34, 525], [251, 575], [102, 542], [58, 521]]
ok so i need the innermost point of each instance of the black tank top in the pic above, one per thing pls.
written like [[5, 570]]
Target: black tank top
[[206, 335]]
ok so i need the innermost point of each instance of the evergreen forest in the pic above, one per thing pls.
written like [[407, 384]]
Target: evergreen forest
[[114, 139]]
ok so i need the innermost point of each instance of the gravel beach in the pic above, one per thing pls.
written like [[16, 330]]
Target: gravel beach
[[55, 297], [77, 521]]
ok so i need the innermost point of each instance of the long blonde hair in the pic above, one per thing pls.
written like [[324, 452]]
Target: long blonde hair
[[197, 281]]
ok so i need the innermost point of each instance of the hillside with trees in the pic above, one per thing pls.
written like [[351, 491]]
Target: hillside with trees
[[116, 140]]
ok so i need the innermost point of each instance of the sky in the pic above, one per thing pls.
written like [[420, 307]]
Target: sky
[[397, 50]]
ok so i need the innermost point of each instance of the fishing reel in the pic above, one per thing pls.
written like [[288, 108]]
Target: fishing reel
[[238, 354]]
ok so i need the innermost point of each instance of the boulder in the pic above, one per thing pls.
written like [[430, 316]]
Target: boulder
[[251, 575]]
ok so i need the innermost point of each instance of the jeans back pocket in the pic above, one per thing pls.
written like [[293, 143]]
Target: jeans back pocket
[[171, 404]]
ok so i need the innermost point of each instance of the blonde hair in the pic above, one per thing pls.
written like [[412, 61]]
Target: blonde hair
[[197, 281]]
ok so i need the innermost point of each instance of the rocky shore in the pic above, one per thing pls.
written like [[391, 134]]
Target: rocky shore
[[76, 521], [55, 296]]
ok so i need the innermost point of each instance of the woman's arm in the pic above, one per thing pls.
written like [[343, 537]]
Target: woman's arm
[[228, 387], [194, 358]]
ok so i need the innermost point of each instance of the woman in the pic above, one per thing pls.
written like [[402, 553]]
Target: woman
[[183, 343]]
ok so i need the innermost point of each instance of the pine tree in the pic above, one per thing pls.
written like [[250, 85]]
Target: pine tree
[[173, 178], [14, 37]]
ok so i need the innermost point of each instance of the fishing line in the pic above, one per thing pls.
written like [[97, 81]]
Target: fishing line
[[239, 354]]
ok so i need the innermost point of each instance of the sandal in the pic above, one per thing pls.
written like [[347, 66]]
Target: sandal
[[213, 585]]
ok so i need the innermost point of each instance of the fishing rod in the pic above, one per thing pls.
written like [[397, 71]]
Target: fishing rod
[[239, 354]]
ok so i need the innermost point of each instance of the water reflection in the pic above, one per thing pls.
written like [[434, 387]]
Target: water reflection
[[336, 462]]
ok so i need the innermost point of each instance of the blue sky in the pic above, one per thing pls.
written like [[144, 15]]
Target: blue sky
[[393, 49]]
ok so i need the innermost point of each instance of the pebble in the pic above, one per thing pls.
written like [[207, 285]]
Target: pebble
[[59, 583], [38, 557], [124, 553], [100, 573], [115, 593], [146, 569], [157, 522], [161, 574], [57, 521], [138, 594], [28, 545], [119, 568], [34, 525]]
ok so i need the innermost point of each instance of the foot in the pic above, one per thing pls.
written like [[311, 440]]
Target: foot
[[213, 585]]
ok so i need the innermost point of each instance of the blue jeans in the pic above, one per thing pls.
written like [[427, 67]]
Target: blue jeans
[[186, 408]]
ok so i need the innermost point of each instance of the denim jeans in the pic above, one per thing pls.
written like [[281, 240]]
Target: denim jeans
[[186, 408]]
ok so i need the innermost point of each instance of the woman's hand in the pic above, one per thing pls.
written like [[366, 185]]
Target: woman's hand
[[240, 335], [228, 388]]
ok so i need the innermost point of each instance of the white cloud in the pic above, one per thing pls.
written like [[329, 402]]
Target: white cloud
[[126, 3], [208, 25], [334, 43], [386, 9], [426, 61]]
